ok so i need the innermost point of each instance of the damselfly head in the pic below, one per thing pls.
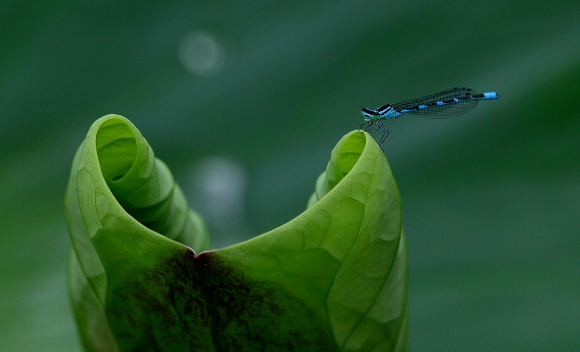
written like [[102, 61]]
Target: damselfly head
[[368, 114]]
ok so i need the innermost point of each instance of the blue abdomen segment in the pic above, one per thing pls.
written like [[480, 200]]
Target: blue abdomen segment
[[490, 95]]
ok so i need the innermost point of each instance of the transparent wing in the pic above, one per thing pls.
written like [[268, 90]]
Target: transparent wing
[[449, 107]]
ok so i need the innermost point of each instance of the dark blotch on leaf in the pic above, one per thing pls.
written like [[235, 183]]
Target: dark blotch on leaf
[[201, 303]]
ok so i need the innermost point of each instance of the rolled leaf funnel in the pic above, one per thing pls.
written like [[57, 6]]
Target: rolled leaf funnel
[[332, 279]]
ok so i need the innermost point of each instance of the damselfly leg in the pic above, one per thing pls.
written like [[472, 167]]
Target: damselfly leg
[[380, 127]]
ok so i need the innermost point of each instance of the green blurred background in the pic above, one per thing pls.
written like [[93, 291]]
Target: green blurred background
[[245, 102]]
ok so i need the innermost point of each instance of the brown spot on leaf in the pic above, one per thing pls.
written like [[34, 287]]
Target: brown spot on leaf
[[201, 303]]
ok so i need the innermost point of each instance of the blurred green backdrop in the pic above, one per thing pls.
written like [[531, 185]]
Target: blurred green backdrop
[[245, 102]]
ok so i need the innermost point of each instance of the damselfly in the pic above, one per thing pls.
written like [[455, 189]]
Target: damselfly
[[443, 105]]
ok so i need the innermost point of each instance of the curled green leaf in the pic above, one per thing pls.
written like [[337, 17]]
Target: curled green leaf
[[332, 279]]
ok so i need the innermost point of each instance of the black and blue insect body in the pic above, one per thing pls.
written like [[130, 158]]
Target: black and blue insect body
[[443, 105]]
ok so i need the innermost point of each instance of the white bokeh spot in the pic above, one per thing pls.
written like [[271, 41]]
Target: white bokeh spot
[[201, 53]]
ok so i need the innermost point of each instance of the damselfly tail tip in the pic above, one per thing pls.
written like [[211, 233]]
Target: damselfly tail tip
[[491, 95]]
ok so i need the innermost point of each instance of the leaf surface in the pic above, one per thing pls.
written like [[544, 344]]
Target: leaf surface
[[334, 278]]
